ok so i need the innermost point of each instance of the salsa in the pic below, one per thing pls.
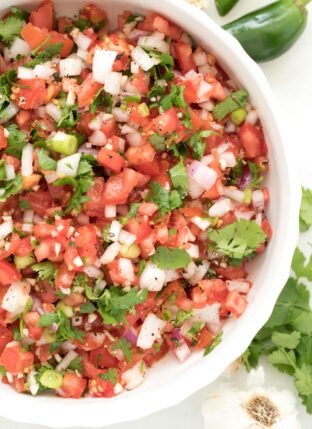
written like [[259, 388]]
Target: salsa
[[131, 199]]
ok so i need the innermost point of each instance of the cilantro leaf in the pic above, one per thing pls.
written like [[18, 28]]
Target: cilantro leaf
[[69, 116], [174, 99], [6, 81], [2, 170], [50, 51], [303, 376], [125, 346], [48, 319], [170, 258], [65, 331], [179, 178], [256, 176], [46, 270], [166, 201], [232, 102], [299, 265], [87, 307], [102, 98], [110, 375], [197, 144], [306, 210], [157, 141], [239, 239], [76, 364], [18, 13], [11, 187], [286, 340], [10, 28], [45, 161], [16, 141]]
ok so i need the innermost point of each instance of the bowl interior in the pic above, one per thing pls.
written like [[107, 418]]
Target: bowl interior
[[169, 382]]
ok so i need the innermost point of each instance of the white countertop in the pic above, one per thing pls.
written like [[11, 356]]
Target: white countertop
[[291, 80]]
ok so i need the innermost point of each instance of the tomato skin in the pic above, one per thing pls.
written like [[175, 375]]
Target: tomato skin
[[101, 358], [64, 278], [139, 81], [166, 122], [6, 337], [184, 56], [90, 342], [14, 359], [149, 168], [3, 140], [33, 96], [141, 155], [43, 16], [204, 338], [46, 292], [155, 22], [118, 188], [8, 273], [39, 201], [236, 303], [232, 273], [110, 159], [93, 13], [86, 235], [73, 386], [83, 124], [139, 227], [252, 140], [215, 290], [31, 319], [88, 90], [95, 205], [122, 19], [46, 250]]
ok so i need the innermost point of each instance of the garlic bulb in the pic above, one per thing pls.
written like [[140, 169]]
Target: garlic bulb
[[256, 408]]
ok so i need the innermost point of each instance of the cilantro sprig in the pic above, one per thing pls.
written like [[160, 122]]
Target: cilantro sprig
[[306, 210], [166, 201], [170, 258], [232, 102]]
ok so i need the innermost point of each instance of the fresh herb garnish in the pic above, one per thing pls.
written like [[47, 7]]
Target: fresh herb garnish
[[110, 375], [125, 346], [157, 141], [102, 98], [166, 201], [46, 270], [170, 258], [306, 210], [232, 102], [10, 28], [179, 178], [16, 141], [216, 341], [11, 187], [197, 143], [50, 51]]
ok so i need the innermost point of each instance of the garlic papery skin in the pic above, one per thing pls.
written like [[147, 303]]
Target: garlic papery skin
[[255, 408]]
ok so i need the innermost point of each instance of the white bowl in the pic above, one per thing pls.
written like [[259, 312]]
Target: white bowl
[[169, 382]]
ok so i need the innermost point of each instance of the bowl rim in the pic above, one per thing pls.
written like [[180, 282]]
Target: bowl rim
[[166, 396]]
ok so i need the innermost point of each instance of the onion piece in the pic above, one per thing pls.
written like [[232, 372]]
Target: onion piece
[[110, 253], [82, 41], [203, 175], [27, 160], [19, 47], [120, 115], [16, 297], [182, 352], [6, 228], [258, 200], [155, 42], [202, 224], [252, 117], [110, 211], [103, 61], [44, 71], [242, 286], [126, 237], [70, 67], [114, 230], [195, 190], [193, 251], [200, 58], [53, 111], [171, 275], [98, 138], [134, 139], [25, 73], [150, 331], [152, 278], [134, 376], [68, 166], [234, 194], [92, 271], [9, 112], [221, 207], [125, 269], [9, 171], [209, 314], [66, 361], [113, 83], [143, 59]]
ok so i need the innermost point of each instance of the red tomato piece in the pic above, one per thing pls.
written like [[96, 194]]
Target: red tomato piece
[[215, 289], [141, 155], [31, 319], [95, 205], [100, 388], [8, 274], [167, 122], [73, 386], [3, 140], [64, 278], [101, 358], [139, 227], [252, 140], [14, 359], [39, 201], [88, 90], [43, 16], [31, 94], [94, 14], [6, 337], [184, 56], [110, 159], [236, 303], [91, 341]]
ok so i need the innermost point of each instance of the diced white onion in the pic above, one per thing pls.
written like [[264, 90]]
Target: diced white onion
[[195, 190], [120, 114], [155, 42], [51, 177], [221, 207], [25, 73], [16, 297], [53, 111], [27, 160], [150, 331], [44, 71], [71, 98], [241, 286], [126, 129], [83, 41], [230, 127], [110, 211], [70, 67], [203, 92], [6, 228], [68, 166], [152, 278], [113, 83], [103, 61], [143, 59], [9, 112], [200, 58], [134, 67], [66, 361], [81, 53], [95, 124], [258, 200], [9, 171], [126, 269], [171, 275], [202, 224], [98, 138], [19, 47], [114, 230], [182, 352], [126, 237], [134, 376], [234, 194], [193, 251], [200, 273], [92, 271], [110, 253], [28, 216], [228, 160], [252, 117], [207, 105], [203, 175], [240, 214], [134, 139], [209, 314], [33, 383]]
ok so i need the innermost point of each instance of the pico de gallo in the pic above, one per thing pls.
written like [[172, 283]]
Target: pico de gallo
[[131, 199]]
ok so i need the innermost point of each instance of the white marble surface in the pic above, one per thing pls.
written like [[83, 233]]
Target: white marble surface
[[291, 80]]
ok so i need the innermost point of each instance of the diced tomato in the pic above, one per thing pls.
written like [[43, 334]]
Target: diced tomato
[[155, 22], [91, 341], [266, 226], [64, 278], [39, 201], [6, 337], [43, 16], [228, 218], [31, 93], [141, 155], [36, 36], [110, 159], [73, 386], [122, 19], [184, 56], [22, 118], [139, 227], [204, 338], [109, 128], [46, 292], [252, 140], [215, 290], [83, 124], [8, 273], [147, 209], [167, 122], [232, 273], [100, 388], [94, 14], [101, 358], [118, 188], [236, 303], [31, 319], [95, 204], [88, 90], [24, 247], [14, 359], [139, 81], [46, 250], [72, 259], [153, 357], [85, 236], [3, 140]]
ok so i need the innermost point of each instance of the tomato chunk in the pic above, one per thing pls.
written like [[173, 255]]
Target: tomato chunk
[[14, 359], [43, 16]]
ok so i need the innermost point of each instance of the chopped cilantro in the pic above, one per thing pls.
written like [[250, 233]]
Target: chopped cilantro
[[46, 270], [50, 51], [102, 98], [125, 346], [110, 375], [6, 82], [24, 204], [256, 176], [45, 161], [87, 307], [157, 141], [166, 201], [48, 319], [16, 141], [179, 178], [2, 170], [306, 210], [11, 187], [170, 258], [197, 144], [232, 102], [76, 364], [19, 13], [69, 117], [174, 99], [10, 28], [216, 341], [182, 316], [237, 240], [133, 210]]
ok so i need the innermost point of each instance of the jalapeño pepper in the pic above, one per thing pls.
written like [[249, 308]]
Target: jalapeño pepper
[[224, 6], [268, 32]]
